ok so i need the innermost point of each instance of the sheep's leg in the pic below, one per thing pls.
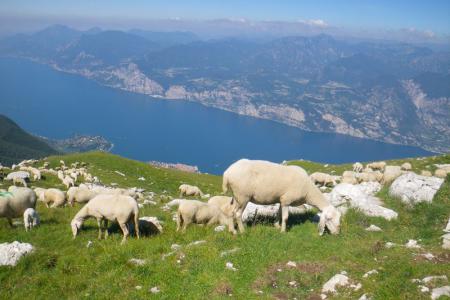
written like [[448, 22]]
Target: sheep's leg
[[10, 222], [125, 231], [136, 225], [238, 217], [284, 217], [179, 221], [278, 221], [105, 225], [186, 222], [99, 223]]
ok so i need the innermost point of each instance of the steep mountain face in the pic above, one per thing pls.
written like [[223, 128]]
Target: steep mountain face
[[393, 92], [17, 145]]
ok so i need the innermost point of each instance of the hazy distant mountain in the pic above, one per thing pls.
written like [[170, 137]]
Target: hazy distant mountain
[[393, 92]]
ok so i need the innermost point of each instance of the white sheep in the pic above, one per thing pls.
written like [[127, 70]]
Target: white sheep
[[426, 173], [30, 218], [226, 204], [322, 179], [406, 166], [61, 175], [380, 165], [19, 180], [391, 173], [40, 193], [80, 195], [349, 177], [14, 202], [357, 167], [68, 181], [189, 190], [441, 173], [197, 212], [264, 182], [55, 197], [106, 208]]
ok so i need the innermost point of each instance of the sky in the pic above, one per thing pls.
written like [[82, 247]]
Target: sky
[[430, 19]]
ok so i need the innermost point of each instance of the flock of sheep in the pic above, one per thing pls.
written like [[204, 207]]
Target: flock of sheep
[[259, 182]]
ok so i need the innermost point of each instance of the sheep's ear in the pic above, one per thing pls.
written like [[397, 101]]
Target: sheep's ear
[[232, 201], [322, 224]]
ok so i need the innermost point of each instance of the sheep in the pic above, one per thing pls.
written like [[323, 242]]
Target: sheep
[[322, 178], [391, 173], [55, 196], [20, 180], [194, 211], [30, 218], [263, 182], [406, 166], [79, 195], [36, 173], [106, 208], [426, 173], [40, 193], [189, 190], [349, 177], [366, 177], [441, 173], [357, 167], [61, 175], [226, 204], [68, 181], [14, 202], [377, 165]]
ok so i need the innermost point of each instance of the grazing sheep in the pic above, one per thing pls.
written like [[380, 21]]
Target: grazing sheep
[[197, 212], [391, 173], [14, 202], [40, 193], [55, 196], [406, 166], [367, 170], [68, 181], [441, 173], [79, 195], [380, 165], [19, 180], [226, 204], [30, 219], [61, 175], [264, 182], [189, 190], [36, 173], [349, 177], [357, 167], [106, 208], [426, 173], [322, 179]]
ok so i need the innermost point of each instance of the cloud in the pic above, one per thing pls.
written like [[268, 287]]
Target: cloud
[[319, 23]]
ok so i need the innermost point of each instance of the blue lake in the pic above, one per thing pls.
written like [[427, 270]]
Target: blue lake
[[57, 105]]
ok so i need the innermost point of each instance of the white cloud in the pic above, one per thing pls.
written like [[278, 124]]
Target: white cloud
[[315, 23]]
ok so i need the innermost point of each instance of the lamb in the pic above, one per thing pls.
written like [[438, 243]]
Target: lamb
[[106, 208], [194, 211], [441, 173], [377, 165], [30, 218], [20, 180], [79, 195], [406, 166], [68, 181], [55, 196], [189, 190], [391, 173], [357, 167], [264, 182], [426, 173], [322, 178], [14, 202], [226, 204]]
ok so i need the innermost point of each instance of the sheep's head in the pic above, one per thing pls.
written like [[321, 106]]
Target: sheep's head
[[76, 225], [331, 219]]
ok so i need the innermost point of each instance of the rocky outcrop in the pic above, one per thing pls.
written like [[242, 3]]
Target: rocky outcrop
[[412, 188], [11, 253]]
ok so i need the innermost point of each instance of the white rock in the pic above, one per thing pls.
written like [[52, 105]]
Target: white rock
[[412, 188], [428, 256], [149, 202], [175, 247], [360, 196], [89, 244], [412, 244], [137, 261], [370, 273], [10, 253], [433, 278], [196, 243], [227, 252], [447, 228], [390, 245], [335, 281], [229, 266], [424, 289], [155, 290], [293, 283], [373, 228], [253, 211], [291, 264], [141, 178], [439, 292], [219, 228], [446, 241], [364, 297], [138, 287]]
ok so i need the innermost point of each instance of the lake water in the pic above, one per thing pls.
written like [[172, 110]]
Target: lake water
[[57, 105]]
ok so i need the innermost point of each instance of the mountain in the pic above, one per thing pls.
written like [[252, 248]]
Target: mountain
[[393, 92], [17, 145]]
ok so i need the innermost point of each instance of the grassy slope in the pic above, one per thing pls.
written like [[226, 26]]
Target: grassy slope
[[65, 268]]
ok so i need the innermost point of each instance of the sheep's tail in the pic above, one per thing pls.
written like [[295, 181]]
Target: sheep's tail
[[179, 220], [225, 185]]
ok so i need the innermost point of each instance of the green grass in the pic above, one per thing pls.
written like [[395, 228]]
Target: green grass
[[62, 268]]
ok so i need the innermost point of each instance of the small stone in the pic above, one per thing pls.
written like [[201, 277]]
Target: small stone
[[428, 256], [293, 283], [412, 244], [175, 247], [141, 178], [137, 261], [229, 266], [138, 287], [390, 245], [219, 228], [364, 297], [279, 270], [155, 290], [370, 273], [291, 264], [196, 243], [373, 228], [336, 280], [441, 291], [89, 244]]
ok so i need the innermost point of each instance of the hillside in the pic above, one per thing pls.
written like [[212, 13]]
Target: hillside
[[392, 92], [64, 268], [17, 145]]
